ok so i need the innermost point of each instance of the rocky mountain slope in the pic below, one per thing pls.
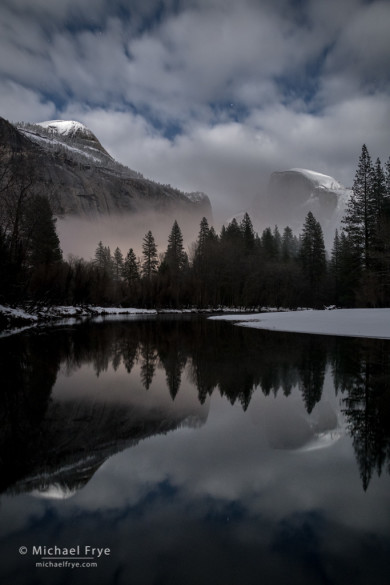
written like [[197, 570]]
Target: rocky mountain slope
[[67, 162], [79, 436]]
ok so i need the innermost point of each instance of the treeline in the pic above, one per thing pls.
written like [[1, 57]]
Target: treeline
[[236, 267]]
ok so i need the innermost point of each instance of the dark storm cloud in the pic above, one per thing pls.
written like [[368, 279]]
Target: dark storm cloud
[[209, 95]]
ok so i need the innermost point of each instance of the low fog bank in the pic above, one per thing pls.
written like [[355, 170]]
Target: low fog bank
[[80, 236]]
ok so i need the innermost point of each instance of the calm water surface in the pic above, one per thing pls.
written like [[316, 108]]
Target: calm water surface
[[197, 452]]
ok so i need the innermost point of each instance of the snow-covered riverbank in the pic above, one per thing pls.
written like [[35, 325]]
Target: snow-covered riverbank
[[16, 319], [346, 322]]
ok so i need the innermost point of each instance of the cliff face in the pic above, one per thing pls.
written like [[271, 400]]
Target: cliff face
[[69, 164]]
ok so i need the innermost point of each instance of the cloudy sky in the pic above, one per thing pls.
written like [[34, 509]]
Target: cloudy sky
[[208, 95]]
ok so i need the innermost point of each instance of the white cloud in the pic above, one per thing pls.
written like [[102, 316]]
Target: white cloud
[[232, 77], [47, 10], [19, 104], [363, 46]]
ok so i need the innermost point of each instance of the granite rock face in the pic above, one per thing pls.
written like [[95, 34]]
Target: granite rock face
[[68, 163]]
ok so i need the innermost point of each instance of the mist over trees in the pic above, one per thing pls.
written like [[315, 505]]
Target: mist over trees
[[234, 268]]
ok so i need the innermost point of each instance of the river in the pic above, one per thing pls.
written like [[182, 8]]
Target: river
[[179, 450]]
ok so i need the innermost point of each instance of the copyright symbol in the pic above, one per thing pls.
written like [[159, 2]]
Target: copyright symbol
[[23, 550]]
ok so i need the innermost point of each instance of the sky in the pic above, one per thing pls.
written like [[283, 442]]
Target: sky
[[206, 95]]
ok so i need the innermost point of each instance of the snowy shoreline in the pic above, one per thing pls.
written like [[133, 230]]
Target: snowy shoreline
[[17, 319], [373, 323]]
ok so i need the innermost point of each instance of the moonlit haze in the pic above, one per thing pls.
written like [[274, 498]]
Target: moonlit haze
[[80, 236]]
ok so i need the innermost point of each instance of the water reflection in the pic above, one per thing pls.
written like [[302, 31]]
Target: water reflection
[[362, 373], [243, 490], [66, 434]]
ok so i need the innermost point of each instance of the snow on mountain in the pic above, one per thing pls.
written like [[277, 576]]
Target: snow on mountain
[[319, 180], [65, 127], [52, 143], [68, 134]]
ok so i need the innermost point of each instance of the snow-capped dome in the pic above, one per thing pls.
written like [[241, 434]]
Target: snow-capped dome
[[65, 127], [319, 179]]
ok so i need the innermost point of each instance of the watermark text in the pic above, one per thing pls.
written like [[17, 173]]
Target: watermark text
[[74, 557]]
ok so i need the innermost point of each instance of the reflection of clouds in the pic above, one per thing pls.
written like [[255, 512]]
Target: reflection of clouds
[[17, 513], [229, 460], [197, 504]]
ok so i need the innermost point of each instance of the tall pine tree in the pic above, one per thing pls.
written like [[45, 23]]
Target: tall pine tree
[[361, 215], [175, 259], [312, 257], [248, 232], [149, 255], [117, 264], [43, 244], [131, 268]]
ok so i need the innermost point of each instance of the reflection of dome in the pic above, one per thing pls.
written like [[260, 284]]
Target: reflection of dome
[[323, 440], [288, 426], [54, 491]]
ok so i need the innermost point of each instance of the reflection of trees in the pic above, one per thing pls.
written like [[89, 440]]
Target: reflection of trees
[[233, 360], [312, 372], [363, 374], [239, 360], [173, 356], [28, 368], [130, 353], [148, 363]]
